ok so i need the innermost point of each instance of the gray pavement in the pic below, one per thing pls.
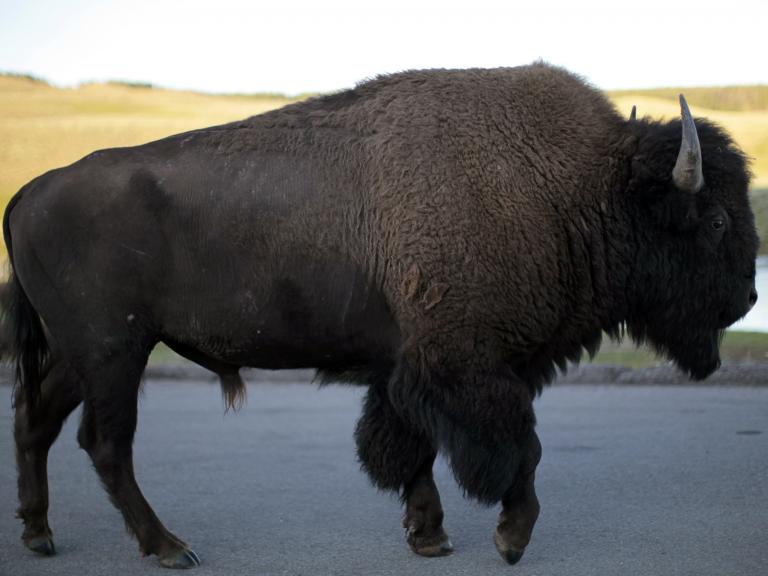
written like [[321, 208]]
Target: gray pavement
[[634, 480]]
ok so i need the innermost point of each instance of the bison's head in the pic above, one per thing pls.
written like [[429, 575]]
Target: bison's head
[[695, 266]]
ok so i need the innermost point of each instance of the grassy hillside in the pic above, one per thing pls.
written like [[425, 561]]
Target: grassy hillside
[[760, 207], [728, 98]]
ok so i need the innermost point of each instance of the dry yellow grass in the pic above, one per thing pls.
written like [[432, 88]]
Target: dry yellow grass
[[42, 127]]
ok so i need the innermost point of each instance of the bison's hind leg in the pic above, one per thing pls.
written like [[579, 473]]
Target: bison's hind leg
[[111, 381], [35, 430], [398, 457]]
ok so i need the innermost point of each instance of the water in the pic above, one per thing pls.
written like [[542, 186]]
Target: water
[[757, 319]]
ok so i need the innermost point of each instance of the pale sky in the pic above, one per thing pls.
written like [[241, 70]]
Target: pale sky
[[297, 46]]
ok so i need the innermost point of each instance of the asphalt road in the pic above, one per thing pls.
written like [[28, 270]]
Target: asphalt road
[[634, 480]]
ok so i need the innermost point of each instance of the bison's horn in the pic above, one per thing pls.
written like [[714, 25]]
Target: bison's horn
[[687, 174], [633, 114]]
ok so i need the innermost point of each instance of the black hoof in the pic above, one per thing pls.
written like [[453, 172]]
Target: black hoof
[[181, 560], [42, 545], [430, 546], [510, 554], [513, 556]]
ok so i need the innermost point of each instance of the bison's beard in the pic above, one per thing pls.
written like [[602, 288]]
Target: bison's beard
[[697, 353]]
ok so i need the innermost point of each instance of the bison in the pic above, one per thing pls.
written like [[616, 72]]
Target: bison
[[447, 238]]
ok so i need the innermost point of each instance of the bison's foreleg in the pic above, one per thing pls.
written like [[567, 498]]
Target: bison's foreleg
[[424, 515], [520, 505], [483, 420], [397, 457], [106, 432], [35, 430]]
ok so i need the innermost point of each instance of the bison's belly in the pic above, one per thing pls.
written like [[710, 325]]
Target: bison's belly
[[307, 313]]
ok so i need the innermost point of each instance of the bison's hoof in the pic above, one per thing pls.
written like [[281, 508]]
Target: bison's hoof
[[183, 559], [511, 554], [42, 545], [434, 545]]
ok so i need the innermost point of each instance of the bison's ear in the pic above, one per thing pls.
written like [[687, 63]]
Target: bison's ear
[[659, 198]]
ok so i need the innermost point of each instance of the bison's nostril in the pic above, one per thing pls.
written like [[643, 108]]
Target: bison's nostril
[[752, 297]]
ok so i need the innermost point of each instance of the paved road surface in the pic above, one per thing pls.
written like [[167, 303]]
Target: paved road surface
[[634, 480]]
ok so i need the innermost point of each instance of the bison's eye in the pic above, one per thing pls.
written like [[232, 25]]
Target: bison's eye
[[718, 223]]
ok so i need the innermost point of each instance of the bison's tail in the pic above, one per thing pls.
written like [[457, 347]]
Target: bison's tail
[[23, 336]]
